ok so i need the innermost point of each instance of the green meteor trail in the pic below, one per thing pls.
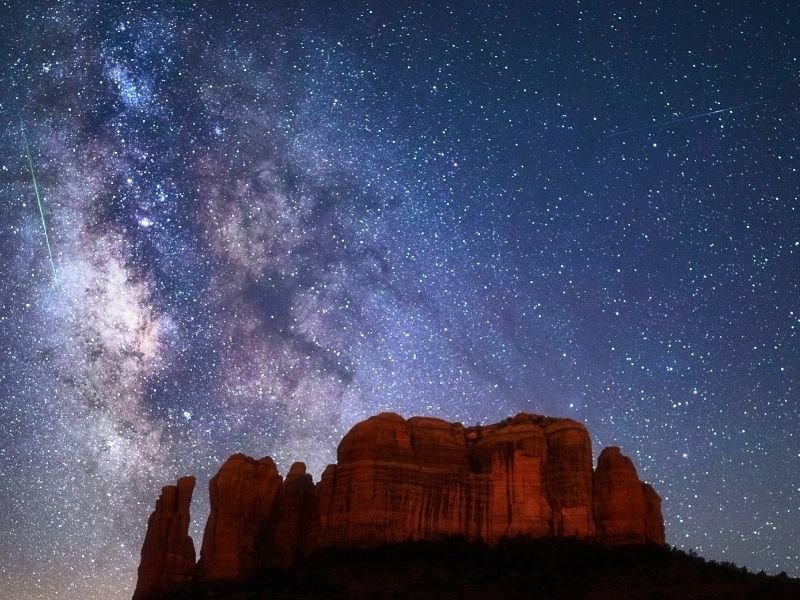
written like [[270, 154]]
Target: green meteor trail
[[39, 203]]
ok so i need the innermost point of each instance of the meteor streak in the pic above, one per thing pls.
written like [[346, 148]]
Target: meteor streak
[[39, 202], [687, 118]]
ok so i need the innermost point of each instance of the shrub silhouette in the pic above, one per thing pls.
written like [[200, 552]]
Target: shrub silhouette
[[515, 568]]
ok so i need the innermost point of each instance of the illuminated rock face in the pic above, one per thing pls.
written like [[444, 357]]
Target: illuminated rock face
[[424, 478], [168, 551], [568, 478], [420, 479]]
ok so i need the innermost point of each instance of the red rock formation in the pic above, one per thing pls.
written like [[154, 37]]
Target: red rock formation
[[654, 520], [568, 478], [626, 510], [242, 494], [512, 457], [423, 478], [379, 492], [286, 538], [168, 551]]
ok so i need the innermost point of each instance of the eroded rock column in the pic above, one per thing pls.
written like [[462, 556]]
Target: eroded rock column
[[242, 495], [168, 552]]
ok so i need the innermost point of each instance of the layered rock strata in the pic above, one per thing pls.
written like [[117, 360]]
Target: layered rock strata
[[418, 479]]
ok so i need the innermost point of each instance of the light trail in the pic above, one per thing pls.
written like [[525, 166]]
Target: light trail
[[39, 202], [687, 118]]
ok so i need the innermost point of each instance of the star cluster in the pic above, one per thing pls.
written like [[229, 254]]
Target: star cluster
[[272, 220]]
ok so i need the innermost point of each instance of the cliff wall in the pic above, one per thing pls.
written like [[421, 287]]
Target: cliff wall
[[397, 480]]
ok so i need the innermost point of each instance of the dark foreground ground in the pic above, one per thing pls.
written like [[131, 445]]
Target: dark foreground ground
[[517, 568]]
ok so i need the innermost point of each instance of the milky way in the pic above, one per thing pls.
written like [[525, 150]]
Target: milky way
[[272, 220]]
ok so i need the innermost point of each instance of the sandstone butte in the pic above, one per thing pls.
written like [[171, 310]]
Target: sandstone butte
[[398, 480]]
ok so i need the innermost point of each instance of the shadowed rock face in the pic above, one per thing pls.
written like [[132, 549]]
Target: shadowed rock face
[[626, 510], [654, 519], [242, 494], [168, 551], [619, 503], [286, 537], [424, 479]]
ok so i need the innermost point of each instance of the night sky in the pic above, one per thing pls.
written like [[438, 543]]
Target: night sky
[[271, 220]]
